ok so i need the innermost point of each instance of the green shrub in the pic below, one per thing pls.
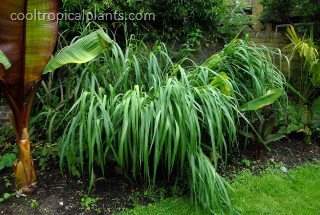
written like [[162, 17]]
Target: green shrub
[[184, 21], [137, 108], [280, 11]]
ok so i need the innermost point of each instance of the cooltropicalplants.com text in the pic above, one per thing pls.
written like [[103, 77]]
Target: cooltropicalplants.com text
[[84, 16]]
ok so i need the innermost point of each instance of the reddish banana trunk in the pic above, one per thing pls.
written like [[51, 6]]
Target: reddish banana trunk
[[24, 168]]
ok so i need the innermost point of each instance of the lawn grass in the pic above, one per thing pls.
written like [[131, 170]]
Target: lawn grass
[[168, 206], [272, 192]]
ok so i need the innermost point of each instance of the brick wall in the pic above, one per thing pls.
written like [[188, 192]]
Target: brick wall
[[269, 39], [5, 112], [276, 40]]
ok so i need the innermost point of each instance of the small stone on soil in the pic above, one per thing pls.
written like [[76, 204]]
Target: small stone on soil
[[284, 169]]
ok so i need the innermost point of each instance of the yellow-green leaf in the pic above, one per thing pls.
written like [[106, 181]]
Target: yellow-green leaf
[[221, 82], [270, 97], [82, 51], [4, 60]]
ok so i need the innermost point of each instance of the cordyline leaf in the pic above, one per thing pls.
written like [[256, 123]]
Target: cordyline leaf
[[28, 44], [270, 97], [83, 50], [293, 35], [4, 60]]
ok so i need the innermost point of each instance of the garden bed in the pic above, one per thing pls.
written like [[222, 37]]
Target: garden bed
[[58, 195]]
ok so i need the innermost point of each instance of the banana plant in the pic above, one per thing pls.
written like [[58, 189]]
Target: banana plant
[[26, 47], [264, 133]]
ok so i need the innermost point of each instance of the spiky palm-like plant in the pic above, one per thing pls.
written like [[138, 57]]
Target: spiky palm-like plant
[[306, 51]]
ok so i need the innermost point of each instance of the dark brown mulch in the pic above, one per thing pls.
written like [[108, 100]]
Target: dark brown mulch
[[56, 195], [292, 152], [288, 152]]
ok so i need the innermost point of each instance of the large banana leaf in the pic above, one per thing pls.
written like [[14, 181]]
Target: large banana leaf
[[4, 60], [270, 97], [83, 50], [28, 44]]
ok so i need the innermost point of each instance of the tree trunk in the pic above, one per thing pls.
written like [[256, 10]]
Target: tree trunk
[[24, 168]]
